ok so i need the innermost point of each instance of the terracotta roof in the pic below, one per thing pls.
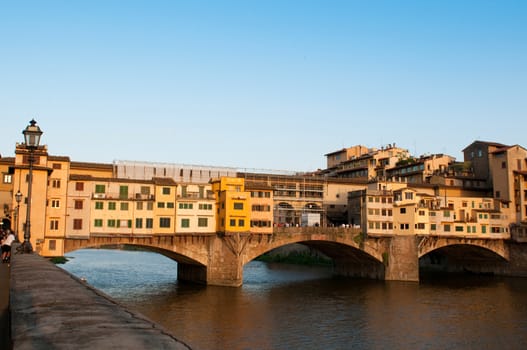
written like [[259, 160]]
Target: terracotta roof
[[167, 181], [59, 158], [490, 144], [82, 165], [8, 160], [505, 149]]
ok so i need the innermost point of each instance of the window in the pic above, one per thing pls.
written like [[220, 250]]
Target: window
[[57, 166], [54, 224], [99, 205], [203, 222], [232, 222], [402, 210], [111, 223], [166, 190], [97, 222], [503, 165], [52, 244], [459, 228], [241, 222], [185, 206], [145, 190], [55, 203], [111, 206], [55, 183], [79, 186], [150, 206], [238, 206], [149, 223], [185, 223], [123, 192], [408, 195], [139, 205], [433, 227], [8, 178], [138, 223], [446, 214], [205, 206], [124, 206], [78, 204], [100, 189], [170, 205], [420, 226], [124, 223], [160, 204], [483, 229], [498, 194], [164, 222], [447, 228], [77, 224]]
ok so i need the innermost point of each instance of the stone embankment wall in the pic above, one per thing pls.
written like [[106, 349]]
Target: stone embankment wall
[[51, 309]]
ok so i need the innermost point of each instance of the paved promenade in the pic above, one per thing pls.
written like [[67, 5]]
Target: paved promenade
[[50, 309], [5, 340]]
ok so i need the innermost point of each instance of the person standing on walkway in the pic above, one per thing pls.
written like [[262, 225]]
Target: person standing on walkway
[[6, 246]]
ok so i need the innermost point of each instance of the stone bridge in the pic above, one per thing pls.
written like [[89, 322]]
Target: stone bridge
[[218, 259]]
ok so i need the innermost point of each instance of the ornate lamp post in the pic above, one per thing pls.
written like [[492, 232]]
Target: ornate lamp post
[[32, 135], [18, 198]]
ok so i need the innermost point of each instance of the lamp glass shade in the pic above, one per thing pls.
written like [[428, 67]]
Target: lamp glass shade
[[18, 197], [32, 134]]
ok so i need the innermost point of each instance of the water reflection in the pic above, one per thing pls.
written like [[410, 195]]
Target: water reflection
[[292, 307]]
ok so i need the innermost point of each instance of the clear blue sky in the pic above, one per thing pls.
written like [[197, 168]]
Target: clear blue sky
[[173, 81]]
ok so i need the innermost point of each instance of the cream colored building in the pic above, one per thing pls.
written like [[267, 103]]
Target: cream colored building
[[333, 159], [196, 208], [396, 208]]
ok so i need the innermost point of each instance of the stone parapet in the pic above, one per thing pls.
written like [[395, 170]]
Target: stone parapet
[[51, 309]]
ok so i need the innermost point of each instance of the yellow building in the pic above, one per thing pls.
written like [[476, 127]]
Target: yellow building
[[42, 168], [261, 208], [232, 205]]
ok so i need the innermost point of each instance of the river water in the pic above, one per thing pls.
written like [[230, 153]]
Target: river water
[[297, 307]]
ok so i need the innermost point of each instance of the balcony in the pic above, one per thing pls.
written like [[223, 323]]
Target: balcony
[[129, 197]]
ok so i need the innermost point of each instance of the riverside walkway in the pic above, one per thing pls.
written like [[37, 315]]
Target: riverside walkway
[[44, 307]]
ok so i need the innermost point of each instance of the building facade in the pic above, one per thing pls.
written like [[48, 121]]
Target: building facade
[[384, 192]]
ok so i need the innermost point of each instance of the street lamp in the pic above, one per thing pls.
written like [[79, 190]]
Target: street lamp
[[32, 135], [18, 198]]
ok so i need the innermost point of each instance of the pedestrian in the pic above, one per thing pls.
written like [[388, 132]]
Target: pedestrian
[[6, 246]]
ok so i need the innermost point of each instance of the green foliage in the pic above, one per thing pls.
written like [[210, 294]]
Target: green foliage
[[358, 238], [385, 259], [59, 260], [405, 161]]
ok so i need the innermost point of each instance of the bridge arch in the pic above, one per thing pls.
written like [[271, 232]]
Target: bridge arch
[[476, 246], [334, 247], [166, 246]]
